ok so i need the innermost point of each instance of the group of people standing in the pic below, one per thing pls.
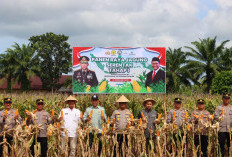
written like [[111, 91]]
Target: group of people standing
[[71, 118]]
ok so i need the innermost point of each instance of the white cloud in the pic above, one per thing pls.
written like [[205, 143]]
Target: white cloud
[[114, 23]]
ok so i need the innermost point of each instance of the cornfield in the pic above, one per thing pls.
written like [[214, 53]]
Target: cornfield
[[163, 144]]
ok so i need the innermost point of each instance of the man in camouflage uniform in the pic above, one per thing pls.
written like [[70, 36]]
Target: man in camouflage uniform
[[85, 75], [44, 119], [178, 117], [8, 120], [150, 116], [121, 117], [223, 114], [199, 117]]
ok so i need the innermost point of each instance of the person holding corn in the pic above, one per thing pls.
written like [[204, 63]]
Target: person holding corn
[[223, 114], [177, 117], [42, 118], [149, 116], [199, 117], [120, 119], [8, 120], [97, 116], [69, 118]]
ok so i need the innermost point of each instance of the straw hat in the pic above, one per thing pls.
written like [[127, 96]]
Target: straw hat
[[149, 99], [70, 98], [122, 99]]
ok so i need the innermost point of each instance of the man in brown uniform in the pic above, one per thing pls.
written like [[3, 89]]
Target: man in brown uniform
[[199, 117], [8, 119], [178, 117], [223, 114], [121, 118], [44, 119]]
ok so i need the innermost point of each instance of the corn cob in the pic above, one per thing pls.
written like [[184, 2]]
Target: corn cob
[[142, 115], [61, 113], [140, 121], [53, 113], [114, 120], [6, 112], [201, 116], [25, 121], [159, 116], [148, 89], [223, 112], [108, 120], [28, 112], [91, 113], [102, 115], [195, 116], [127, 125], [88, 88], [34, 111], [186, 115], [136, 86], [17, 113], [174, 115], [132, 117], [49, 133], [103, 85], [81, 116]]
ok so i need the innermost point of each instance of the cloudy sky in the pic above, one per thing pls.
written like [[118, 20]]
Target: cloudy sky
[[168, 23]]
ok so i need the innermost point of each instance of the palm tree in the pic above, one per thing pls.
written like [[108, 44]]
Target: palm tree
[[176, 74], [202, 59], [224, 62], [7, 61], [26, 65]]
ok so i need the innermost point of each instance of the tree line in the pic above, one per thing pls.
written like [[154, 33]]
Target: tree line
[[204, 65]]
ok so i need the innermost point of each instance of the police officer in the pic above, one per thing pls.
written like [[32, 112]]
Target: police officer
[[8, 120], [44, 119], [151, 117], [223, 114], [97, 118], [177, 116], [85, 75], [121, 117], [198, 117]]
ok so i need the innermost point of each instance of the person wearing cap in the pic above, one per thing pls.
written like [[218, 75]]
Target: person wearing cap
[[198, 117], [96, 119], [177, 116], [70, 119], [150, 116], [156, 75], [85, 75], [223, 114], [42, 118], [121, 117], [9, 120]]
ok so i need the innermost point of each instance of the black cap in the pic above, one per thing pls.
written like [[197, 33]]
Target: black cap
[[95, 97], [201, 101], [84, 59], [7, 100], [177, 100], [226, 95], [155, 59], [39, 101]]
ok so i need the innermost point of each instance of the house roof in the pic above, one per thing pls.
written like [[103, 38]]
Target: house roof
[[36, 82]]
